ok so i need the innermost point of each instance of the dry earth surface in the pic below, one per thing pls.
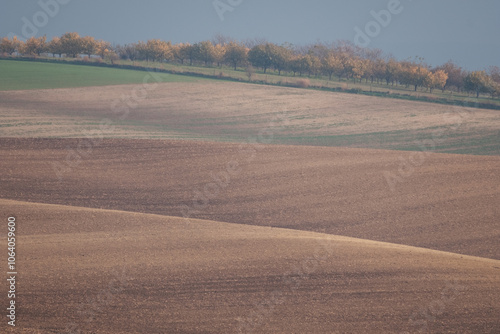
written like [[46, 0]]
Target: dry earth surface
[[134, 235], [98, 271], [449, 202]]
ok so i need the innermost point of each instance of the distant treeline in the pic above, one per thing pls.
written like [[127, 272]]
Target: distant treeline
[[341, 59]]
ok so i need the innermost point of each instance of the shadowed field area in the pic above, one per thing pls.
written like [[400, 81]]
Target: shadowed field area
[[127, 272], [222, 111]]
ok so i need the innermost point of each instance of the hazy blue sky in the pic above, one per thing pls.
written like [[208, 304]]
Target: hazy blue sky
[[466, 31]]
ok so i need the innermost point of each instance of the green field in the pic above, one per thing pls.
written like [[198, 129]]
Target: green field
[[20, 75]]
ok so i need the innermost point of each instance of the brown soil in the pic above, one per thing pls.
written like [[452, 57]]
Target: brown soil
[[294, 239], [96, 271], [449, 202]]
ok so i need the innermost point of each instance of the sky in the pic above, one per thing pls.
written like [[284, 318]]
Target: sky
[[464, 31]]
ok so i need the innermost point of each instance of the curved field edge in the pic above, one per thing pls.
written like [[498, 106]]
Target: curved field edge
[[99, 270], [447, 203], [239, 76]]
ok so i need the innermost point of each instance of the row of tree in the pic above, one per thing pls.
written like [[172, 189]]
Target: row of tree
[[341, 59], [69, 44]]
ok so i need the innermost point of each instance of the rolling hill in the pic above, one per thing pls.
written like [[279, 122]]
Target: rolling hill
[[216, 207], [103, 271], [449, 202], [239, 112]]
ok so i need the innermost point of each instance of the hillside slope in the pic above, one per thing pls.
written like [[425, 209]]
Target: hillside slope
[[113, 272], [236, 112], [447, 202]]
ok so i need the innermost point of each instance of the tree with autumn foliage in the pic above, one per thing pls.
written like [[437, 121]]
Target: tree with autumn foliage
[[88, 45], [494, 73], [104, 49], [71, 44], [219, 53], [479, 82], [313, 64], [10, 46], [280, 56], [259, 56], [346, 64], [142, 51], [331, 65], [127, 51], [205, 52], [436, 79], [393, 70], [413, 74], [360, 68], [54, 47], [379, 69], [374, 64], [34, 46], [298, 64], [236, 54], [159, 50], [456, 75], [154, 50], [185, 51], [180, 52], [271, 55]]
